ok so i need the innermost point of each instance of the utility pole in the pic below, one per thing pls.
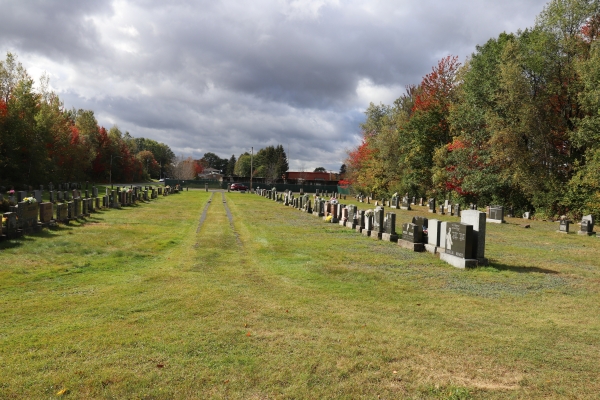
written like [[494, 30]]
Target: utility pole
[[251, 166]]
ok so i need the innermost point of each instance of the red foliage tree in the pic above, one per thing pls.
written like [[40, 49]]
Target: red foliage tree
[[437, 87]]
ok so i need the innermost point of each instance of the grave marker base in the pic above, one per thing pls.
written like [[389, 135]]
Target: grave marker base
[[433, 249], [495, 221], [583, 233], [366, 233], [388, 237], [358, 229], [416, 247], [562, 232], [458, 262], [351, 225], [376, 235]]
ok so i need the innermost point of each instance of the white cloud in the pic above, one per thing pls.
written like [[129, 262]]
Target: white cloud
[[224, 76]]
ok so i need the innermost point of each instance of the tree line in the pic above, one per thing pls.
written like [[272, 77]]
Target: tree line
[[41, 141], [518, 123], [270, 162]]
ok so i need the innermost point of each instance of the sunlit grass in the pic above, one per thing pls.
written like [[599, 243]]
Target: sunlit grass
[[133, 303]]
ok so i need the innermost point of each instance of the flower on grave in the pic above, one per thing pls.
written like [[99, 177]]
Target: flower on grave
[[395, 194], [368, 213], [29, 200], [11, 192], [329, 218], [333, 201]]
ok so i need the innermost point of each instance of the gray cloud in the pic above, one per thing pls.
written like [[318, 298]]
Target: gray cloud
[[225, 76]]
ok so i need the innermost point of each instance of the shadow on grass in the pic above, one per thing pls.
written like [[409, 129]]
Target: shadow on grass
[[521, 269], [48, 232]]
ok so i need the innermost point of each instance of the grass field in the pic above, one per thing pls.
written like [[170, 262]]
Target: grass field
[[144, 303]]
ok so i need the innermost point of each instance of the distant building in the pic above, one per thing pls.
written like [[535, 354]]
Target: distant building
[[311, 176], [211, 174]]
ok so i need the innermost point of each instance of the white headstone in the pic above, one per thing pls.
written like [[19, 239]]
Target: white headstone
[[477, 220], [369, 223], [443, 230], [433, 232]]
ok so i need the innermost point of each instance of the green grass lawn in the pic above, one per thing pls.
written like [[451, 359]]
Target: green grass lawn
[[143, 303]]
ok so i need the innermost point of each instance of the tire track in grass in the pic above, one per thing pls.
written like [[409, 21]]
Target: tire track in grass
[[230, 217], [203, 216]]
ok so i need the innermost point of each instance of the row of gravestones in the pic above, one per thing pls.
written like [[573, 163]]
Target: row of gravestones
[[461, 244], [27, 215], [496, 214], [274, 195]]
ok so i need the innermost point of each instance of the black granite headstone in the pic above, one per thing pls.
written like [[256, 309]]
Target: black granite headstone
[[459, 239], [378, 220], [421, 221], [412, 233]]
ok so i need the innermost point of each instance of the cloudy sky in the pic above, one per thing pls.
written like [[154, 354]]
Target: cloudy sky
[[225, 76]]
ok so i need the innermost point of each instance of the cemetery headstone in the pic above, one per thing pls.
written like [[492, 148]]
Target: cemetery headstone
[[405, 203], [457, 210], [11, 225], [431, 205], [496, 214], [378, 220], [368, 223], [477, 220], [587, 226], [433, 235], [459, 245], [360, 222], [46, 212], [421, 221], [27, 214], [389, 234], [412, 237], [443, 231]]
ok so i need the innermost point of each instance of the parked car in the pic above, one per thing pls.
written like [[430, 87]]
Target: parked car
[[238, 186], [161, 180]]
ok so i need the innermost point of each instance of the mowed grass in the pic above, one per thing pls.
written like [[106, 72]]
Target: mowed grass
[[140, 303]]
